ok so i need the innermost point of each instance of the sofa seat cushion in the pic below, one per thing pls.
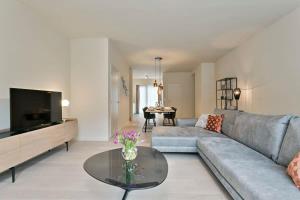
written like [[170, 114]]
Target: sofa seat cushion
[[253, 175], [179, 136], [291, 142], [261, 132]]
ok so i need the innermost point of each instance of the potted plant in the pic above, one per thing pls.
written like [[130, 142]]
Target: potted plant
[[129, 140]]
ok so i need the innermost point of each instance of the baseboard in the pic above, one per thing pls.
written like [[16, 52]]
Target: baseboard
[[85, 138]]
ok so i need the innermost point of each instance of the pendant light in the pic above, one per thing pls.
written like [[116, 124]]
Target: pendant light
[[155, 82], [160, 73]]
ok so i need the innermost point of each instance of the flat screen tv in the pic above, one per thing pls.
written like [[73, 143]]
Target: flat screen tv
[[34, 109]]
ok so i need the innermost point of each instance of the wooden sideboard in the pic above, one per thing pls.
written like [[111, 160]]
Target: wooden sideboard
[[17, 149]]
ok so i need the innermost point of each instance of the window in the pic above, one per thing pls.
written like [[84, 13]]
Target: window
[[148, 96]]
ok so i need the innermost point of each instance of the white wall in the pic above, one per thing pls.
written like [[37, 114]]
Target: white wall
[[91, 62], [179, 91], [131, 96], [89, 87], [268, 68], [32, 55], [205, 89]]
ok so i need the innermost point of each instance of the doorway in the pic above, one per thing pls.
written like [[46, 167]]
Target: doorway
[[146, 96]]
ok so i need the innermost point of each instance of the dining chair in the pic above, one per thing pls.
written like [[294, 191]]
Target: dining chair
[[148, 116], [170, 116]]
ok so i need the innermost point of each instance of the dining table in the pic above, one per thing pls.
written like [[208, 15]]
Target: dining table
[[161, 110]]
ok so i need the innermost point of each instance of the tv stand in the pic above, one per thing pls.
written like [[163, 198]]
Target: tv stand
[[17, 149]]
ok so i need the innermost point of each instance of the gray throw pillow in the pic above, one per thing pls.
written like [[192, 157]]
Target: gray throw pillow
[[291, 142], [228, 121]]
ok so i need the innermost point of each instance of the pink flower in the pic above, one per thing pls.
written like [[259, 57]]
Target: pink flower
[[124, 136], [124, 133], [116, 132]]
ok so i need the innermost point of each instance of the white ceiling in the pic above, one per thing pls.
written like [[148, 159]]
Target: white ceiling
[[183, 32]]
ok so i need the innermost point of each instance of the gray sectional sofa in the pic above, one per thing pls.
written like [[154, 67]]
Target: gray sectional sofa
[[249, 158]]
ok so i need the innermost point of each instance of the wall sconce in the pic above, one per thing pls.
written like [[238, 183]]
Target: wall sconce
[[237, 93]]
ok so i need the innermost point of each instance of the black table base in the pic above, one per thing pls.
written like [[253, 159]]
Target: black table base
[[125, 195]]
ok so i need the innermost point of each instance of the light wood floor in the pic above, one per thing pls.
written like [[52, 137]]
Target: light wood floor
[[59, 175]]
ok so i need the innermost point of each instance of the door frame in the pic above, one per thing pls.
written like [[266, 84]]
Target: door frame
[[113, 70]]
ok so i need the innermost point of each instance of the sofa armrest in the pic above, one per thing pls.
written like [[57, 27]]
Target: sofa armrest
[[186, 122]]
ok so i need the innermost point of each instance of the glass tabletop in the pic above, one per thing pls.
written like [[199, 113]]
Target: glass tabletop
[[149, 169]]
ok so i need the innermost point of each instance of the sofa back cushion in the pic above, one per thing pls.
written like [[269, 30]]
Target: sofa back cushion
[[291, 142], [228, 121], [261, 132]]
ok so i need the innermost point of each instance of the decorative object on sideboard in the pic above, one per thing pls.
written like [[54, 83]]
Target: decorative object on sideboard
[[65, 103], [225, 93], [124, 86]]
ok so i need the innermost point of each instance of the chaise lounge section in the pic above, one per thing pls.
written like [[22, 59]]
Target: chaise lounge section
[[250, 156]]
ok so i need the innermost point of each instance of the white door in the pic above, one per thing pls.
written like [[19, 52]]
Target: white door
[[114, 98], [173, 97]]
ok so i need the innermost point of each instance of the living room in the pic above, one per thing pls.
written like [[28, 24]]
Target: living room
[[106, 99]]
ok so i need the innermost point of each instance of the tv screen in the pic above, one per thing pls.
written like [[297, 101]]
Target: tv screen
[[34, 109]]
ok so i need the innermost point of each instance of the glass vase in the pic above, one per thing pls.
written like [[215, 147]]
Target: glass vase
[[129, 153]]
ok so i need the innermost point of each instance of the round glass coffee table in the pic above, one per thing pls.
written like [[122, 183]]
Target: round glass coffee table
[[149, 169]]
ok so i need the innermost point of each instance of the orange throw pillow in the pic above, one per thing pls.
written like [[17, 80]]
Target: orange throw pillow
[[294, 170], [214, 123]]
